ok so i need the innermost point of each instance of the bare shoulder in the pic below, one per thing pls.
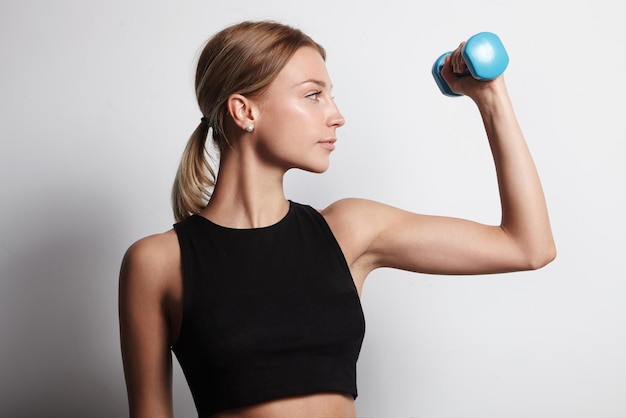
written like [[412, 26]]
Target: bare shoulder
[[151, 261], [366, 215], [360, 205], [346, 213], [356, 223]]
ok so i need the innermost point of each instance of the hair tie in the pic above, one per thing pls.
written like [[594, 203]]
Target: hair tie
[[203, 120]]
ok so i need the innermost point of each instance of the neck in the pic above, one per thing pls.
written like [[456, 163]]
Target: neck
[[247, 194]]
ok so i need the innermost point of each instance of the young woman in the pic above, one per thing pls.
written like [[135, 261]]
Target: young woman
[[258, 296]]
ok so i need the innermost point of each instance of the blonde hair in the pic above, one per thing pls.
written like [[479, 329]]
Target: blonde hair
[[241, 59]]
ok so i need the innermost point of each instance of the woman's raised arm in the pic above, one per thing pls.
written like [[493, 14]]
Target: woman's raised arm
[[376, 235]]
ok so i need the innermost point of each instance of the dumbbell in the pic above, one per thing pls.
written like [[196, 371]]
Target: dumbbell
[[484, 56]]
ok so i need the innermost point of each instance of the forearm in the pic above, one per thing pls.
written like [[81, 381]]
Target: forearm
[[524, 211]]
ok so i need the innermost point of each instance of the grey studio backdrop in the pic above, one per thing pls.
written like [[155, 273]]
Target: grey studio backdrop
[[97, 102]]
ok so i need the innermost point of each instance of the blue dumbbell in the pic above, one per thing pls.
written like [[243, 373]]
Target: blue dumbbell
[[484, 56]]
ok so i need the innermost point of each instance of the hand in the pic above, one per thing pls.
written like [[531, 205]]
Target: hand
[[456, 74]]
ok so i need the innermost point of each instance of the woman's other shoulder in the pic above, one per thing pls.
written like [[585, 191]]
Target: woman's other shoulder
[[151, 261]]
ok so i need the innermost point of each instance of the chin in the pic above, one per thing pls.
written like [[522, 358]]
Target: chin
[[314, 166], [320, 169], [315, 169]]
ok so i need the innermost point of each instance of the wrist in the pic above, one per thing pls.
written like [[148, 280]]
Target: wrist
[[492, 95]]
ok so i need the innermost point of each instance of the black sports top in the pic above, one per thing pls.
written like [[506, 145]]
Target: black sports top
[[268, 312]]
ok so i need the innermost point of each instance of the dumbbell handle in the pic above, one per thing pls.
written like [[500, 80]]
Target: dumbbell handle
[[485, 57]]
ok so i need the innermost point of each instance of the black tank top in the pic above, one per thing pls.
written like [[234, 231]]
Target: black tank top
[[268, 312]]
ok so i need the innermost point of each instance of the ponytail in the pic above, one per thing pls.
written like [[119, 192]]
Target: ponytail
[[195, 177]]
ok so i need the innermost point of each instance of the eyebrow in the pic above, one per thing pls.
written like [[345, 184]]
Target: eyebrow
[[314, 81]]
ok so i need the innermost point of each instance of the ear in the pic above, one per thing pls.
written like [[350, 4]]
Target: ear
[[242, 110]]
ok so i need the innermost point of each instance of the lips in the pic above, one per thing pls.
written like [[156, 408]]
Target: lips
[[328, 144]]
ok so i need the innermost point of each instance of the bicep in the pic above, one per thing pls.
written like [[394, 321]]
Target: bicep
[[144, 336], [444, 245], [375, 235]]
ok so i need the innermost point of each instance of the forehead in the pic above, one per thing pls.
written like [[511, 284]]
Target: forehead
[[305, 64]]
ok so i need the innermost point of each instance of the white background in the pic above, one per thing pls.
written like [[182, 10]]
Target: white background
[[97, 103]]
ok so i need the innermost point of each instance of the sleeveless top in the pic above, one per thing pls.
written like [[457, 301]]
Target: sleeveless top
[[268, 312]]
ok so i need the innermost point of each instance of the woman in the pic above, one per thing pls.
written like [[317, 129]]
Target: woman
[[258, 296]]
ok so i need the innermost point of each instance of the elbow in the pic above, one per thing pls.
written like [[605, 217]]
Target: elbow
[[539, 259]]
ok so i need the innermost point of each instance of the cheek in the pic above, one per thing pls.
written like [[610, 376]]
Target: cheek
[[286, 119]]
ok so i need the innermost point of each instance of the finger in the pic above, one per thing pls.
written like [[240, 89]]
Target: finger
[[447, 72], [458, 64]]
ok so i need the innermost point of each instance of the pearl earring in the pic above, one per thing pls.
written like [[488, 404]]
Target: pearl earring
[[249, 128]]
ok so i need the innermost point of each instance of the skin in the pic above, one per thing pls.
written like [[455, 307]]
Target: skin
[[295, 125]]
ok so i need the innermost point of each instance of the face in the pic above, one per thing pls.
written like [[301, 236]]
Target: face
[[297, 116]]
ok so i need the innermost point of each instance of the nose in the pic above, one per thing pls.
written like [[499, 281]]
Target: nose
[[335, 117]]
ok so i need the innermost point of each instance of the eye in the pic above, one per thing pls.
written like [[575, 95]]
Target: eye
[[313, 96]]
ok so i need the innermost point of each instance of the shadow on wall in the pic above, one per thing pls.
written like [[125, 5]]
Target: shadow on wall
[[58, 309]]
